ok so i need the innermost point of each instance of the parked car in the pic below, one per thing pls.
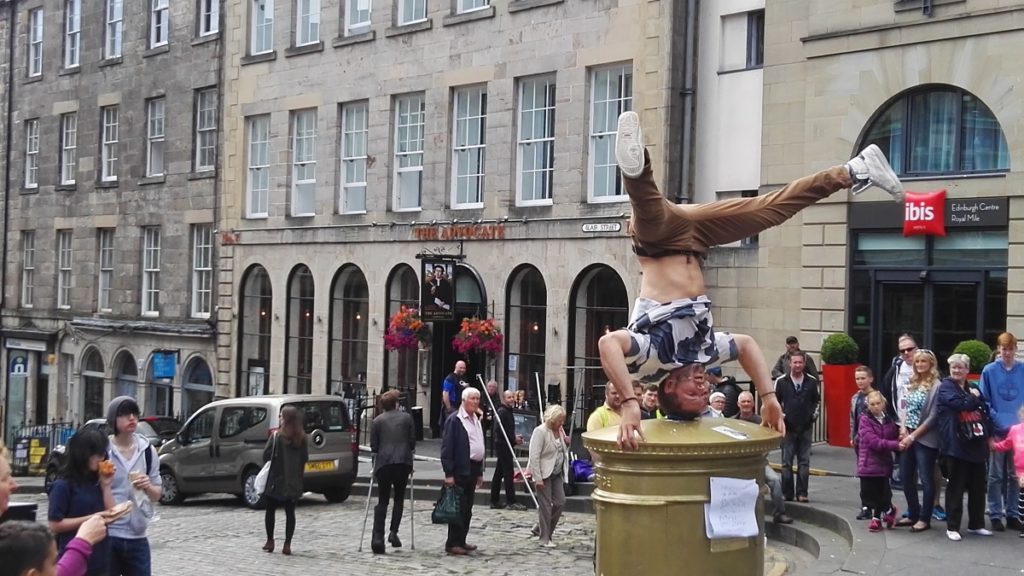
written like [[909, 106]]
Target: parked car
[[58, 456], [166, 427], [220, 448]]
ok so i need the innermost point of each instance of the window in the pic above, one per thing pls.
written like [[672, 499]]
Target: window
[[64, 269], [755, 39], [32, 153], [202, 270], [28, 267], [939, 130], [108, 160], [308, 22], [106, 264], [234, 421], [468, 147], [304, 163], [209, 17], [354, 131], [536, 147], [155, 132], [35, 42], [255, 319], [261, 37], [357, 17], [72, 33], [411, 11], [115, 27], [258, 184], [151, 271], [299, 344], [68, 147], [200, 427], [471, 5], [206, 130], [409, 118], [611, 94], [526, 323], [159, 27], [349, 331]]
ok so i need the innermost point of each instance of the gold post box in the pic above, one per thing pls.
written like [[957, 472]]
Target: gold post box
[[650, 502]]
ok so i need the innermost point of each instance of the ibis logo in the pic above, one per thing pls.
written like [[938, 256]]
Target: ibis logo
[[924, 213]]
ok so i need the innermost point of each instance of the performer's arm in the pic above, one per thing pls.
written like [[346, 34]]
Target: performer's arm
[[613, 347]]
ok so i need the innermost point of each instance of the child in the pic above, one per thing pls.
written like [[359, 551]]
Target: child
[[865, 380], [28, 549], [82, 492], [1015, 440], [878, 438]]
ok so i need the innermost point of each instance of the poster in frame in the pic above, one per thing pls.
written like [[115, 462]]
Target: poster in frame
[[437, 295]]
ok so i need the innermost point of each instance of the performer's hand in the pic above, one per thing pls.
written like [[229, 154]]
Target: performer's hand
[[479, 482], [629, 427], [771, 414]]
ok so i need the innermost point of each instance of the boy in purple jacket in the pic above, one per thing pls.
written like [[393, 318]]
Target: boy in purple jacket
[[878, 438]]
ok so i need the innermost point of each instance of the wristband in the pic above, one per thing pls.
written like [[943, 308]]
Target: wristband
[[631, 398], [772, 393]]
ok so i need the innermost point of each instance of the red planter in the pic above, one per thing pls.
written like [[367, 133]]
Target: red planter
[[838, 385]]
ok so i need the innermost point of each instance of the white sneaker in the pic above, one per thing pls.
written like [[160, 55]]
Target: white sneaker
[[548, 544], [870, 168], [980, 532], [954, 536], [629, 145]]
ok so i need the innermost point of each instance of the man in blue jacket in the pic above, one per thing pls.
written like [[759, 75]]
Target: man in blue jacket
[[462, 458], [1002, 385]]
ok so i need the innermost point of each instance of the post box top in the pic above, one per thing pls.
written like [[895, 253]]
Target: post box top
[[703, 437]]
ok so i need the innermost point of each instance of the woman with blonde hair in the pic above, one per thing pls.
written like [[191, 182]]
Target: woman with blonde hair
[[547, 458], [919, 440]]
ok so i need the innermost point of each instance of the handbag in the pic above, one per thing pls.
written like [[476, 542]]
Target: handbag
[[447, 509], [260, 484], [973, 425]]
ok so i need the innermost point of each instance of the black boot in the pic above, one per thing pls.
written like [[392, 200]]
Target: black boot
[[393, 538], [377, 539]]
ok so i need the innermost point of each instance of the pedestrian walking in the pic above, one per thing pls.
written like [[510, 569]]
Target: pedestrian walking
[[392, 441], [287, 453], [547, 459], [504, 438], [878, 439]]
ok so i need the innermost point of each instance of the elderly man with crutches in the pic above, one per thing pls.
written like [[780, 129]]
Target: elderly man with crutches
[[392, 441]]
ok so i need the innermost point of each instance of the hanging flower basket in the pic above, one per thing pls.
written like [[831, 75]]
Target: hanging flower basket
[[406, 330], [478, 335]]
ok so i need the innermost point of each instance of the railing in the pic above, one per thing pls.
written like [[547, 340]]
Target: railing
[[31, 445]]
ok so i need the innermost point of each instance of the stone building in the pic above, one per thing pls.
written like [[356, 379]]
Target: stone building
[[366, 141], [110, 206]]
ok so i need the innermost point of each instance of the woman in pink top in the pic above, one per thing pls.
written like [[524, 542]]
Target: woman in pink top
[[1015, 440]]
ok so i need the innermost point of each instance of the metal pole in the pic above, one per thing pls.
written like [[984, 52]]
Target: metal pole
[[508, 443], [540, 392], [369, 493], [412, 506]]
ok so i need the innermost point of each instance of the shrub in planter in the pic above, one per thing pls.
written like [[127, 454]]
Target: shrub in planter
[[839, 349], [979, 353]]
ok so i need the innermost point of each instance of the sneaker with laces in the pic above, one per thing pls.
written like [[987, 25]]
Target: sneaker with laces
[[876, 525], [548, 544], [953, 535], [939, 513], [865, 513], [890, 517], [629, 145], [516, 507], [980, 532], [997, 525], [870, 168]]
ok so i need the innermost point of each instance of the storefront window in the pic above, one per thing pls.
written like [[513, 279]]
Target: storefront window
[[197, 388], [255, 318], [350, 321], [889, 249], [988, 248], [599, 305], [92, 386], [127, 375], [299, 347], [527, 319], [403, 289], [161, 395]]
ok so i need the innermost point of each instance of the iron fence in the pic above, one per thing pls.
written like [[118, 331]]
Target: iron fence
[[31, 445]]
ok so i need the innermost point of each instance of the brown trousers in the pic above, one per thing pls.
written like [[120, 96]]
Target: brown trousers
[[659, 226]]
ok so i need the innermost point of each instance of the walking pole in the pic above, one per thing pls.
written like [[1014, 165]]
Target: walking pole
[[366, 513], [508, 443], [412, 506], [540, 392]]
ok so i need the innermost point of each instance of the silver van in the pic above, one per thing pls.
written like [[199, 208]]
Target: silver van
[[220, 448]]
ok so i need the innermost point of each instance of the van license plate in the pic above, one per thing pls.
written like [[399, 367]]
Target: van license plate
[[319, 465]]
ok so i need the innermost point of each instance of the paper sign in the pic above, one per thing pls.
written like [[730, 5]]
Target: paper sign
[[732, 510], [731, 432]]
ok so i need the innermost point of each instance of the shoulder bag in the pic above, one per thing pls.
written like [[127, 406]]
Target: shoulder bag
[[260, 484]]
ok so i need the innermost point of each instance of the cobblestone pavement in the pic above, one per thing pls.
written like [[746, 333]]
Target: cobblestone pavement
[[216, 536]]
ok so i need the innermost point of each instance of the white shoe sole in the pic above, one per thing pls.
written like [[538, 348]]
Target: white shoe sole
[[629, 146], [954, 536]]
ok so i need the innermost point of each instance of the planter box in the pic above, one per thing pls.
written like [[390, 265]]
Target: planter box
[[838, 386]]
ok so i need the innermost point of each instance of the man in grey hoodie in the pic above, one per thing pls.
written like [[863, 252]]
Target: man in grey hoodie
[[136, 478]]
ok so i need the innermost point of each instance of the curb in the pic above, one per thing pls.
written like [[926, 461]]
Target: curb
[[814, 471]]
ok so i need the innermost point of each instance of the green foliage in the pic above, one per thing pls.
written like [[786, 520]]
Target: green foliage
[[839, 349], [977, 351]]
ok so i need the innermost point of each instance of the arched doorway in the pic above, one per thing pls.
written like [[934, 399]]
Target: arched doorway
[[470, 301], [126, 375], [298, 351], [400, 365], [526, 321], [349, 334], [598, 304], [197, 387], [161, 392], [92, 385], [255, 318]]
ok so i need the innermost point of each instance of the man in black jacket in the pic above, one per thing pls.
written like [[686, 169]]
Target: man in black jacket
[[799, 396], [462, 458], [505, 468]]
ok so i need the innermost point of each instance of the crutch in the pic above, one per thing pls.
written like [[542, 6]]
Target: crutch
[[412, 506], [508, 443], [369, 493]]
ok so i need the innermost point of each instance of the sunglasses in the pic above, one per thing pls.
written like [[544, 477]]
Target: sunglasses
[[906, 350]]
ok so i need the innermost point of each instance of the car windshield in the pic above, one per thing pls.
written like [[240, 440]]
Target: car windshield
[[164, 426], [147, 430]]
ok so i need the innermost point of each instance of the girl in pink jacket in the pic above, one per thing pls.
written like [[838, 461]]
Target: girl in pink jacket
[[1015, 440]]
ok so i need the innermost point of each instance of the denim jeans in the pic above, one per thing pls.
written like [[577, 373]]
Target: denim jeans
[[774, 482], [129, 557], [1002, 486], [919, 470], [796, 445]]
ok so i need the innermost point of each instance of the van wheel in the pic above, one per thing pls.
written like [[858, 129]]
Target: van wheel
[[171, 493], [249, 496], [338, 495]]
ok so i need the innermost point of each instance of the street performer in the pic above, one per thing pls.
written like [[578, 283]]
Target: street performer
[[671, 325]]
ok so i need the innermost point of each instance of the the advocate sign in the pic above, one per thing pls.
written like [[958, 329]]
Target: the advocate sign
[[460, 232]]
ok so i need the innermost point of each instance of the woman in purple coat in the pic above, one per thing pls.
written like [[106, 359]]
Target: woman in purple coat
[[878, 438]]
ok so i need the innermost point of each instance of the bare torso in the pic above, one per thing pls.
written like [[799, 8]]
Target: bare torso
[[671, 277]]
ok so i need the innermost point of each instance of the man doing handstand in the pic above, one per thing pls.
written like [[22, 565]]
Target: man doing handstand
[[671, 325]]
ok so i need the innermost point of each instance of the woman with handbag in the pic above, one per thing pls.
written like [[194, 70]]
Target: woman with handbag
[[547, 459], [964, 431], [392, 440], [287, 453]]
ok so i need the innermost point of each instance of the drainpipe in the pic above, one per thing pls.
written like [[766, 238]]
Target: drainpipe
[[688, 93], [11, 33]]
